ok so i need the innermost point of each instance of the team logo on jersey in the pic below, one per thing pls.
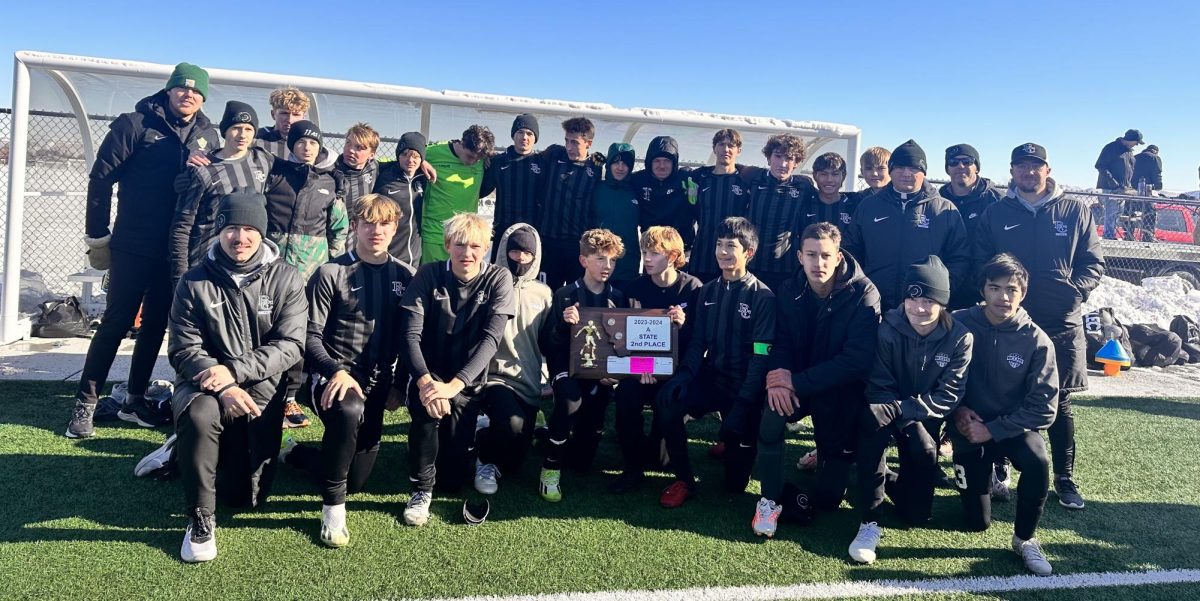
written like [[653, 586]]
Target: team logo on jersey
[[481, 298], [846, 218], [646, 194], [398, 288], [535, 168], [922, 221], [418, 189], [942, 359], [260, 176], [744, 310], [1060, 229], [589, 172], [736, 189], [366, 179], [201, 143], [265, 305], [1015, 360], [794, 193]]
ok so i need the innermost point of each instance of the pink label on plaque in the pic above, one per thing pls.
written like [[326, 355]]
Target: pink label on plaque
[[641, 365]]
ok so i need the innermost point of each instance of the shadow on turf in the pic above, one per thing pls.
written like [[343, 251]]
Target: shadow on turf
[[1162, 407]]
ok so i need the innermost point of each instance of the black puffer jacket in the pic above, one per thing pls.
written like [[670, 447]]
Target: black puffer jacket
[[927, 375], [1115, 166], [665, 202], [143, 153]]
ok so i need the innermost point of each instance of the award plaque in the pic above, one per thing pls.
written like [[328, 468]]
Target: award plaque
[[623, 343]]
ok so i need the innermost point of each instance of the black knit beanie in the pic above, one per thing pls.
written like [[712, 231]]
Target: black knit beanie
[[303, 129], [237, 113], [963, 150], [521, 239], [525, 121], [412, 140], [243, 207], [928, 279], [908, 154]]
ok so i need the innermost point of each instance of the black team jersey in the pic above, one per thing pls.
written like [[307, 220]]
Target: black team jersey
[[840, 213], [559, 344], [717, 196], [567, 197], [516, 179], [643, 293], [451, 329], [200, 190], [733, 333], [409, 193], [356, 183], [775, 210], [354, 319]]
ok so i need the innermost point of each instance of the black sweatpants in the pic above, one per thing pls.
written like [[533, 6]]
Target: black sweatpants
[[835, 435], [973, 475], [632, 397], [443, 446], [349, 447], [134, 282], [739, 429], [576, 424], [912, 490], [560, 262], [1062, 437], [235, 456], [511, 420]]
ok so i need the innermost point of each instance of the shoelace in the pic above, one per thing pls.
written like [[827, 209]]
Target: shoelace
[[551, 478], [419, 498], [871, 529], [1030, 550], [766, 508], [1068, 486], [82, 411], [201, 525], [488, 471]]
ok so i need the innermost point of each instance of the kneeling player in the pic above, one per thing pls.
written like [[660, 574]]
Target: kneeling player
[[920, 370], [724, 366], [1012, 394], [454, 316], [353, 316]]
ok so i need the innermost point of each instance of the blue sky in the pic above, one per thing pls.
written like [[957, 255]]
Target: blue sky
[[1070, 76]]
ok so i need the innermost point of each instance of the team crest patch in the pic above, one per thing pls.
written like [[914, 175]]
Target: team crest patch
[[260, 176], [736, 189], [1060, 229], [535, 168], [398, 288], [242, 117], [589, 171], [744, 310], [265, 304], [418, 189], [367, 179], [201, 143], [942, 359], [915, 291], [220, 222], [189, 83], [846, 218], [1029, 149], [1015, 360], [923, 221], [646, 194], [481, 298], [794, 193]]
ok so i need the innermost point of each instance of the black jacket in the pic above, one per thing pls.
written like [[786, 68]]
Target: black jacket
[[665, 202], [776, 208], [143, 153], [1059, 247], [557, 341], [256, 328], [927, 375], [1013, 382], [833, 369], [1148, 166], [356, 183], [1115, 165], [733, 333], [970, 207], [409, 193], [890, 231]]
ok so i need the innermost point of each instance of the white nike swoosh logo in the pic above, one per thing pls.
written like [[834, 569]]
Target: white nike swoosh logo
[[1009, 227], [878, 219], [216, 304], [810, 214], [704, 189], [706, 303], [356, 289], [503, 167], [392, 191]]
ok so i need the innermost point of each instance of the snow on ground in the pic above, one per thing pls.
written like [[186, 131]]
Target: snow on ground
[[1156, 301]]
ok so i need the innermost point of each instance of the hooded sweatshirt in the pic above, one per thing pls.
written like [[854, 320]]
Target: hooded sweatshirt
[[926, 374], [665, 201], [1115, 166], [518, 363], [615, 208], [306, 217], [1012, 382]]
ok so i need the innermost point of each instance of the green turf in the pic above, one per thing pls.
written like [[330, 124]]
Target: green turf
[[75, 520]]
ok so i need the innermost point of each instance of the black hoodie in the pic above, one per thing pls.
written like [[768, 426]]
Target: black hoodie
[[926, 374], [665, 202], [143, 152]]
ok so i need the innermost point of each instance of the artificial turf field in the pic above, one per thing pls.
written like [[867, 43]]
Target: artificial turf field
[[75, 523]]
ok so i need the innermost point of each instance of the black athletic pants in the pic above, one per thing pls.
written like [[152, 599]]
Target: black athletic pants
[[632, 397], [349, 447], [226, 454], [1062, 437], [443, 446], [912, 490], [134, 282], [576, 424], [739, 429], [973, 475], [509, 434], [835, 435], [560, 262]]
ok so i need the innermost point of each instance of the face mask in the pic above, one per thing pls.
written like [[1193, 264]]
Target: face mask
[[519, 269]]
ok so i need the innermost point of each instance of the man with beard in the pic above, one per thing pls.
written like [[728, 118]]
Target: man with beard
[[971, 194]]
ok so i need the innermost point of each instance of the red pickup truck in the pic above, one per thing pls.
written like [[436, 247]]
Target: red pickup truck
[[1176, 223]]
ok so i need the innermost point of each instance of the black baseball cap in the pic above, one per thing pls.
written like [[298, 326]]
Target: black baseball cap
[[1133, 135], [1029, 150]]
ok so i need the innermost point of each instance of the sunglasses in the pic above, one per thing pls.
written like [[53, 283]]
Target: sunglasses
[[960, 162]]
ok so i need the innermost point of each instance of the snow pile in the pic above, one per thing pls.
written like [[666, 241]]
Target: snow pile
[[1156, 301]]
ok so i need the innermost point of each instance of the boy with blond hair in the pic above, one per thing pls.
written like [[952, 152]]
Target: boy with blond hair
[[873, 169]]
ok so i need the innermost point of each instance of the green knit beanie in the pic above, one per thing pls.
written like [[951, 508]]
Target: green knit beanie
[[188, 75]]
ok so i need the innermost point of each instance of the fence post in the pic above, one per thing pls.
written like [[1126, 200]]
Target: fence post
[[18, 145]]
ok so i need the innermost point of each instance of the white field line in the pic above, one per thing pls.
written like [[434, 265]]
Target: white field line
[[878, 588]]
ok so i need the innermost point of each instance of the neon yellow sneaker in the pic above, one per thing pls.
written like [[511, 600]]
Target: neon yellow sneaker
[[549, 485]]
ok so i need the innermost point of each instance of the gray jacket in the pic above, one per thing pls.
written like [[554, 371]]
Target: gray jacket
[[518, 363], [927, 375], [1013, 379]]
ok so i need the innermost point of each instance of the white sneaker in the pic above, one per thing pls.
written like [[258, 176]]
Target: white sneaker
[[766, 517], [200, 538], [486, 476], [1031, 553], [286, 445], [808, 462], [416, 512], [1001, 489], [156, 459], [483, 421], [334, 532], [862, 548]]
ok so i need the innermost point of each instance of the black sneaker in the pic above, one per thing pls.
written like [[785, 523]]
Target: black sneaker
[[199, 540], [80, 425], [625, 482], [1068, 493], [137, 411]]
